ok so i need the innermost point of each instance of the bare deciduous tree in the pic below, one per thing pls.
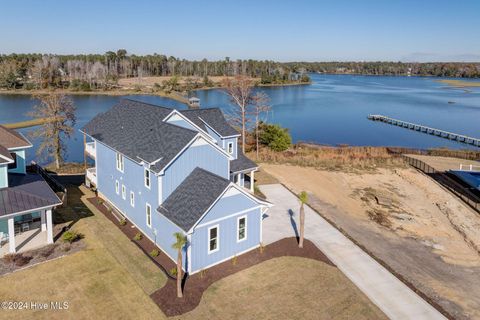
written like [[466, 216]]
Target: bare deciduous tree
[[240, 91], [259, 111], [60, 111]]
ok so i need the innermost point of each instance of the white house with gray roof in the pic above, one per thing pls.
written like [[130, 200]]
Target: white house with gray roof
[[168, 171]]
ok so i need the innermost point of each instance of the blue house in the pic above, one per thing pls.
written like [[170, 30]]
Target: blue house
[[26, 200], [170, 171]]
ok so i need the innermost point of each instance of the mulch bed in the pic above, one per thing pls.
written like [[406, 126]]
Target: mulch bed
[[195, 285]]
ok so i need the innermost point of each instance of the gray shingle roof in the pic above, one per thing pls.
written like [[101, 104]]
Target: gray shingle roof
[[10, 138], [191, 199], [242, 163], [213, 117], [26, 192], [136, 130]]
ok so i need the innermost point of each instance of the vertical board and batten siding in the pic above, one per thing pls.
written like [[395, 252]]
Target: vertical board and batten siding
[[21, 163], [3, 176], [223, 142], [133, 179], [204, 156], [227, 238]]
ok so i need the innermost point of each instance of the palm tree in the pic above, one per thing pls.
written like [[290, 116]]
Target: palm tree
[[181, 240], [303, 199]]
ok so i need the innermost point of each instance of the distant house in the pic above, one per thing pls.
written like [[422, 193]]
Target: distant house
[[26, 200], [170, 171]]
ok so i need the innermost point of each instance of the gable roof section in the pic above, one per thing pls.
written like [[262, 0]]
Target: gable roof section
[[26, 192], [5, 156], [191, 200], [10, 139], [137, 130], [214, 118], [242, 163]]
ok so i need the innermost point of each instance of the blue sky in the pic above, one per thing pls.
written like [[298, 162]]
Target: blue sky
[[421, 30]]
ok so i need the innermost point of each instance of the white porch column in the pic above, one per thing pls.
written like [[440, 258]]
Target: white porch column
[[239, 179], [11, 235], [252, 179], [43, 221], [49, 226]]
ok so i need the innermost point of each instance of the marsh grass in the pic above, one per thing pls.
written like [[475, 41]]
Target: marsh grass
[[333, 158]]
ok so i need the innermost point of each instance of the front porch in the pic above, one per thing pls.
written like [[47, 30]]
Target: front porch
[[25, 231], [245, 179]]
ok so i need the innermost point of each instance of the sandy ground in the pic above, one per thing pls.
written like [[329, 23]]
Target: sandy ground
[[404, 218], [446, 163]]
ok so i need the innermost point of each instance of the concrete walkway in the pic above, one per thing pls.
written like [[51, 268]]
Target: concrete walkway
[[391, 295]]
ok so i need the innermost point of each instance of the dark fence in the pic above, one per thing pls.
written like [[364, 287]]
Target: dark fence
[[453, 186], [56, 186]]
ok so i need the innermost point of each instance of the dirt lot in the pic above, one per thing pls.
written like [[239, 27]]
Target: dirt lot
[[408, 221]]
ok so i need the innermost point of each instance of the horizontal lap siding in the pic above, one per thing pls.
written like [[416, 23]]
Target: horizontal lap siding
[[133, 179], [3, 176], [228, 245], [203, 156]]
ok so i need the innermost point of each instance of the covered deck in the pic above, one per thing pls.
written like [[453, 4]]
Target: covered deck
[[26, 213], [242, 172]]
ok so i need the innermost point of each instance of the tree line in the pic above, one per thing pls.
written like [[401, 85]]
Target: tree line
[[439, 69], [102, 71]]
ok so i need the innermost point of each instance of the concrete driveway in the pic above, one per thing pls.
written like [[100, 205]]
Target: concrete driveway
[[391, 295]]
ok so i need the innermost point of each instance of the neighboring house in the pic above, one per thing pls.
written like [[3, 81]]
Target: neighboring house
[[26, 200], [173, 171]]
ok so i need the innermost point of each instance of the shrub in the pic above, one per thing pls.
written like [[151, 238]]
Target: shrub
[[45, 252], [154, 253], [123, 222], [71, 236], [234, 260], [17, 259], [66, 247], [173, 271], [274, 136], [203, 273], [100, 201], [138, 236]]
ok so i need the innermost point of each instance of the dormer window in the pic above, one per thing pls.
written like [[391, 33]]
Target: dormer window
[[119, 161], [230, 147]]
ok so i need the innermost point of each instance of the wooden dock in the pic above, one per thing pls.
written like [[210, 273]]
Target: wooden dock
[[428, 130]]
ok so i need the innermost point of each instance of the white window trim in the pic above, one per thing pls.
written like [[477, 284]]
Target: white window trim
[[218, 239], [230, 144], [238, 228], [145, 178], [120, 162], [124, 192], [117, 187], [148, 208], [132, 198]]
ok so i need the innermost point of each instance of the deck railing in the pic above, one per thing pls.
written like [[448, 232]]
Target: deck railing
[[453, 186], [56, 186]]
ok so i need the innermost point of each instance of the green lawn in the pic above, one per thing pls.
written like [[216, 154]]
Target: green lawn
[[112, 279]]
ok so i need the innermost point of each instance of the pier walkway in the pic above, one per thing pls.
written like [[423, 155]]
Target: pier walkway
[[428, 130]]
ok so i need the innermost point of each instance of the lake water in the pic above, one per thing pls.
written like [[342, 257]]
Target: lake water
[[332, 110]]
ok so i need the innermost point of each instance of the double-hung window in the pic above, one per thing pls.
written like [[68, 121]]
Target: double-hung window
[[117, 187], [241, 228], [119, 162], [230, 147], [132, 198], [124, 192], [148, 212], [147, 178], [213, 243]]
